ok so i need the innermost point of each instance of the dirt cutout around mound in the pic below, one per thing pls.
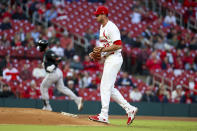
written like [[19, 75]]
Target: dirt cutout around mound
[[40, 117]]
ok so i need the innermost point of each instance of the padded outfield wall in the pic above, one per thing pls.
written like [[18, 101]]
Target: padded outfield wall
[[93, 107]]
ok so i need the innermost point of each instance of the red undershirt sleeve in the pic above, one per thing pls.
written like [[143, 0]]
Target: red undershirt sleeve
[[118, 42]]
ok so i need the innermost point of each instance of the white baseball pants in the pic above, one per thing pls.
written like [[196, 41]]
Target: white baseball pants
[[56, 77], [112, 66]]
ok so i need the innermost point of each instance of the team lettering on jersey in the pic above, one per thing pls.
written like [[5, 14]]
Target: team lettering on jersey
[[104, 40]]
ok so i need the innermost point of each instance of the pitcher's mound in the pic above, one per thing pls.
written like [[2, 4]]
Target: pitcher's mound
[[40, 117]]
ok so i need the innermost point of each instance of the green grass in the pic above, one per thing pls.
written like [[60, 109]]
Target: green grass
[[117, 125]]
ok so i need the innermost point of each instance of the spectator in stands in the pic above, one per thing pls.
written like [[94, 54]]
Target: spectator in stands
[[174, 41], [89, 35], [161, 33], [187, 97], [125, 80], [22, 36], [66, 41], [50, 14], [70, 80], [11, 73], [177, 94], [6, 92], [191, 93], [171, 33], [188, 61], [34, 6], [61, 13], [139, 65], [181, 44], [165, 64], [89, 65], [71, 86], [40, 11], [35, 34], [6, 24], [146, 44], [34, 90], [76, 63], [136, 42], [169, 55], [85, 81], [39, 72], [25, 73], [98, 77], [193, 43], [2, 8], [4, 63], [127, 37], [153, 62], [66, 68], [18, 14], [135, 95], [195, 64], [59, 3], [58, 49], [8, 12], [53, 39], [136, 16], [137, 4], [194, 91], [93, 84], [159, 45], [149, 95], [4, 42], [178, 64], [70, 76], [124, 36], [191, 83], [50, 31], [170, 19], [147, 33], [30, 43], [162, 94], [16, 42], [188, 13], [68, 45]]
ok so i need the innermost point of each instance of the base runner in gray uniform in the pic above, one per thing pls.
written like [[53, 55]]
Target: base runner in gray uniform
[[54, 76]]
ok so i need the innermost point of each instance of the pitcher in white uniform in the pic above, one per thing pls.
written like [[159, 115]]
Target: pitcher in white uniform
[[110, 39]]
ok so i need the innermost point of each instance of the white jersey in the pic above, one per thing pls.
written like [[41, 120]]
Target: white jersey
[[108, 35]]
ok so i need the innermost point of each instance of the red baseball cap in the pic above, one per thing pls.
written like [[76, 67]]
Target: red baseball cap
[[101, 10]]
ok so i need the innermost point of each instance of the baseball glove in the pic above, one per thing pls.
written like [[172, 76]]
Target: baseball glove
[[96, 54], [97, 49]]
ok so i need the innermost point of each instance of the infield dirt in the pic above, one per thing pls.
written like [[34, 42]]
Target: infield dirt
[[40, 117]]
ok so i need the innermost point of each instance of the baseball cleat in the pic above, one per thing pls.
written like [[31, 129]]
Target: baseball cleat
[[131, 116], [47, 108], [98, 119], [80, 105]]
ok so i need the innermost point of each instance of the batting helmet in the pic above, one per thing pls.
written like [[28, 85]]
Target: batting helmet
[[42, 45]]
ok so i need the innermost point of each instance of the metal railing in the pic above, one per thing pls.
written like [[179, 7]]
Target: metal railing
[[159, 79], [81, 41], [192, 24]]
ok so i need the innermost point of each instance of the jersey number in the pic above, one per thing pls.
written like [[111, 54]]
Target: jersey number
[[106, 45]]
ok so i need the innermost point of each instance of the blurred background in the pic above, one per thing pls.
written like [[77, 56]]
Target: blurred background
[[159, 48]]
